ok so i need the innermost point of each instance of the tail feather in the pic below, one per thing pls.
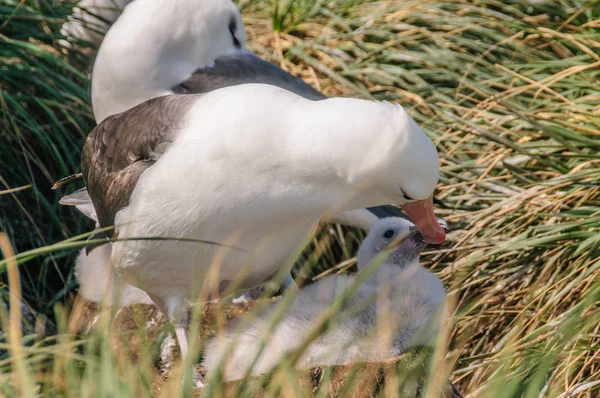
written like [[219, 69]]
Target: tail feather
[[93, 269], [82, 201], [67, 180], [91, 19]]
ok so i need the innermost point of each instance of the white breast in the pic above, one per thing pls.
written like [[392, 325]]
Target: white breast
[[221, 184]]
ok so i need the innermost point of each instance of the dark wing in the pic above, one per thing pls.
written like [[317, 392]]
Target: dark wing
[[240, 68], [385, 211], [123, 146]]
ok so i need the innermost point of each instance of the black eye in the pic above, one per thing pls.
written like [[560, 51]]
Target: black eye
[[389, 233], [407, 197], [232, 28]]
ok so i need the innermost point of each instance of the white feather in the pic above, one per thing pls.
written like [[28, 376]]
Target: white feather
[[157, 44], [360, 218], [82, 202], [97, 280]]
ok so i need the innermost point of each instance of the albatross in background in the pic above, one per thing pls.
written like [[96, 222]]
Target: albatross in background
[[404, 304], [160, 47], [205, 188]]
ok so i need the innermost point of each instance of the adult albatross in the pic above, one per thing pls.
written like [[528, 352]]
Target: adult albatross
[[160, 48], [232, 180]]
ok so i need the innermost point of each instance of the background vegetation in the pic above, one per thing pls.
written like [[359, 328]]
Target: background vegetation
[[509, 91]]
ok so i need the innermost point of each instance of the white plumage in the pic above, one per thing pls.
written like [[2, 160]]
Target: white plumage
[[396, 308], [98, 282], [205, 191]]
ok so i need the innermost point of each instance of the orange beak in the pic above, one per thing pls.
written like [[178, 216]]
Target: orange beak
[[421, 213]]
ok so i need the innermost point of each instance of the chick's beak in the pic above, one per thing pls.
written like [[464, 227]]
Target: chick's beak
[[421, 214]]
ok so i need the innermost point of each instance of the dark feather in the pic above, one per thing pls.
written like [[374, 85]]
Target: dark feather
[[123, 146], [98, 239], [240, 68], [387, 211]]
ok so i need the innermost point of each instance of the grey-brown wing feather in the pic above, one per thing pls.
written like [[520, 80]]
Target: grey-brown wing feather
[[240, 68], [123, 146]]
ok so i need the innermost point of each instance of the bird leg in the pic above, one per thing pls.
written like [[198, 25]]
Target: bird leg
[[182, 339], [181, 333], [175, 309]]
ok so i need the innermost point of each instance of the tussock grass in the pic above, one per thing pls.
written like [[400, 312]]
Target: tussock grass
[[45, 116], [508, 91]]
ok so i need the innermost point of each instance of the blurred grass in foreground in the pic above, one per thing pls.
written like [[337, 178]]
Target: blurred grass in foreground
[[510, 91]]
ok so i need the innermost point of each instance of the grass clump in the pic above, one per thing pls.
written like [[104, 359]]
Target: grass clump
[[508, 91], [45, 115]]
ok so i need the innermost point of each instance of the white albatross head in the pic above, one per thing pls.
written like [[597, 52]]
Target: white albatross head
[[157, 44], [420, 174], [397, 159]]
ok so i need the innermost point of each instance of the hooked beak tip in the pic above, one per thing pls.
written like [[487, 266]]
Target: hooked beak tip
[[421, 214]]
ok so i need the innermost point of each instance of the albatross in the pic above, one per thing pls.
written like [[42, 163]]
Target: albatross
[[400, 300], [204, 188], [160, 47]]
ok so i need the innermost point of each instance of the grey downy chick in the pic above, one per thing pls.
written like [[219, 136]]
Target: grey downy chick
[[397, 307]]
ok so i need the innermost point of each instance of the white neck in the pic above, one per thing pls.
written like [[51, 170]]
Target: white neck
[[363, 143], [154, 46]]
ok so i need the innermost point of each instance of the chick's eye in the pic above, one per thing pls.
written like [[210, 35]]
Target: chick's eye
[[389, 233]]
